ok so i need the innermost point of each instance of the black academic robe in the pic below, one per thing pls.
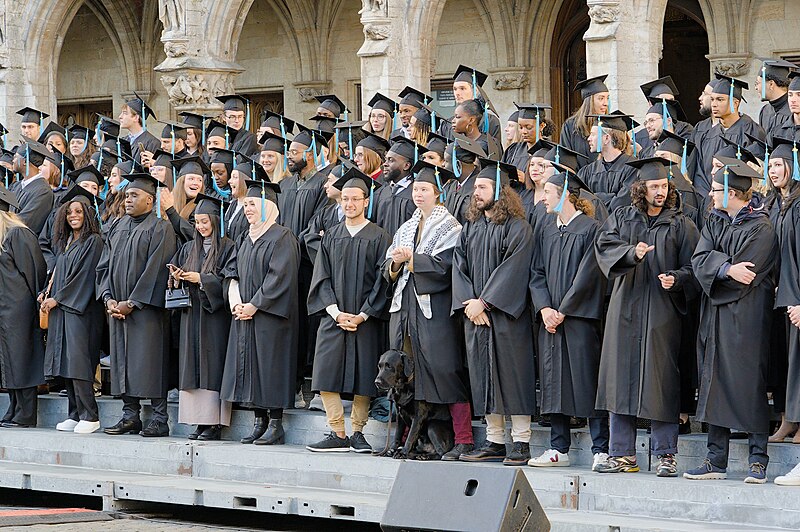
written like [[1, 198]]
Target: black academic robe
[[35, 203], [236, 224], [437, 343], [611, 182], [517, 155], [246, 143], [133, 267], [774, 113], [574, 140], [205, 325], [22, 277], [300, 200], [711, 143], [495, 130], [261, 359], [75, 330], [491, 262], [323, 221], [639, 363], [393, 206], [733, 343], [184, 228], [148, 140], [566, 278], [347, 273], [458, 194], [785, 128]]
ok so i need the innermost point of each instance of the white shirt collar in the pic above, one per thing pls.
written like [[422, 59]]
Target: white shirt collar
[[560, 224]]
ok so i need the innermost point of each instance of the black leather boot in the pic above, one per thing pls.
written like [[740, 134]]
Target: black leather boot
[[275, 434], [259, 427]]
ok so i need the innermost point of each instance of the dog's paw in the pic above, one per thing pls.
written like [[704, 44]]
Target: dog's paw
[[400, 454]]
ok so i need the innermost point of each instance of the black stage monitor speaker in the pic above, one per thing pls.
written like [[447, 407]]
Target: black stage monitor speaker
[[444, 497]]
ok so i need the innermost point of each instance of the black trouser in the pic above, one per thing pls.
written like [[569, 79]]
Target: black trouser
[[22, 406], [560, 436], [663, 436], [271, 413], [131, 408], [80, 397], [719, 441]]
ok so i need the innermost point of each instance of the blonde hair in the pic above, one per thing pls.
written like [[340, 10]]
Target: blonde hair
[[183, 205], [387, 129], [517, 135], [279, 173], [583, 123], [372, 161], [8, 221], [421, 133]]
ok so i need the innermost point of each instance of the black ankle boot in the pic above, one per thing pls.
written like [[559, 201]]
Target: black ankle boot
[[259, 427], [198, 431], [275, 434], [212, 432]]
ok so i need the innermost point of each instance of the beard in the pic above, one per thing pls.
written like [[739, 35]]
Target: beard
[[705, 111], [394, 175], [484, 206], [296, 166]]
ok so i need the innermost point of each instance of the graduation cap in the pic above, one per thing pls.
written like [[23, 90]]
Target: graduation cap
[[129, 166], [35, 152], [735, 151], [379, 101], [501, 173], [650, 169], [174, 129], [540, 148], [191, 165], [355, 178], [163, 158], [108, 125], [424, 116], [279, 122], [77, 193], [568, 181], [141, 108], [223, 156], [271, 142], [114, 147], [777, 69], [676, 145], [786, 149], [375, 143], [351, 132], [532, 111], [413, 97], [76, 131], [52, 128], [425, 172], [325, 123], [250, 168], [406, 148], [332, 103], [6, 156], [194, 120], [7, 199], [591, 86], [235, 102], [436, 143], [470, 75], [144, 182], [218, 129], [668, 109], [734, 174], [654, 89], [32, 116], [263, 189], [464, 150], [211, 205], [63, 162], [562, 155], [311, 138], [730, 87], [514, 117]]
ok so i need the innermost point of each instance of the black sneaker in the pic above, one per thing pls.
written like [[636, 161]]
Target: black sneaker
[[331, 444], [488, 452], [519, 455], [358, 443], [458, 449]]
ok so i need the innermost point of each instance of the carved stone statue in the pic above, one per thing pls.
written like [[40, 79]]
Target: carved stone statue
[[512, 80], [186, 90], [170, 12], [372, 6], [377, 32]]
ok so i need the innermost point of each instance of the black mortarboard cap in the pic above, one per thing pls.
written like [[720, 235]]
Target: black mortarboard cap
[[32, 116], [726, 83], [176, 127], [497, 171], [376, 143], [76, 131], [735, 151], [413, 97], [379, 101], [194, 120], [436, 143], [255, 188], [332, 103], [76, 193], [208, 204], [223, 156], [250, 168], [51, 128], [272, 142], [274, 120], [794, 81], [470, 75], [423, 115], [352, 133], [233, 102], [406, 148], [564, 156], [144, 182], [36, 152], [218, 129], [591, 86], [673, 107], [116, 146], [306, 135], [108, 125], [465, 145], [426, 172], [574, 183], [653, 89], [672, 143], [783, 148], [140, 107], [616, 120], [778, 68], [650, 169], [87, 173], [7, 199], [529, 111], [540, 149], [355, 178], [325, 123], [191, 165], [737, 173], [163, 158], [63, 162], [514, 117]]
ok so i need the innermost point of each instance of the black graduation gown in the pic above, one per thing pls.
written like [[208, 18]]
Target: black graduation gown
[[35, 203], [246, 142], [236, 224], [184, 229], [610, 182], [495, 130], [566, 278], [639, 363], [300, 200], [440, 373], [205, 325], [322, 222], [458, 194], [575, 141], [133, 267], [23, 274], [261, 359], [783, 128], [393, 207], [492, 262], [517, 154], [711, 143], [774, 113], [347, 273], [735, 319], [783, 335], [150, 142], [75, 328]]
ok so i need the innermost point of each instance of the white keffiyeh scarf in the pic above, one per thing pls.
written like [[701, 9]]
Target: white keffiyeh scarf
[[439, 234]]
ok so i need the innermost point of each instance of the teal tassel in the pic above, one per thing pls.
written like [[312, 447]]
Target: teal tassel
[[158, 202], [263, 203], [28, 159], [766, 164], [456, 166], [122, 184], [558, 155], [247, 119], [433, 121], [100, 160], [217, 189], [395, 121], [285, 145], [537, 126], [97, 213], [221, 220], [795, 167], [560, 205], [485, 127], [203, 132], [633, 140], [730, 96], [764, 82], [174, 177], [474, 86], [683, 158], [497, 183], [725, 189], [104, 191], [227, 140], [443, 195], [369, 211], [664, 113], [738, 152], [349, 143], [172, 137], [599, 147]]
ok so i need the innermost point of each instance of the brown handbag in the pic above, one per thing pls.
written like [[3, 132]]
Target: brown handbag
[[44, 317]]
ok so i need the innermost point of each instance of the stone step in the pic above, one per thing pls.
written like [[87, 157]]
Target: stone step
[[304, 427], [584, 521]]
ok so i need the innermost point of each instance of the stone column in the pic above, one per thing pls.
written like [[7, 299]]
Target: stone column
[[13, 94], [394, 54], [190, 74], [624, 41]]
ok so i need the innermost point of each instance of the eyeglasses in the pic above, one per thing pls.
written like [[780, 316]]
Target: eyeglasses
[[717, 190]]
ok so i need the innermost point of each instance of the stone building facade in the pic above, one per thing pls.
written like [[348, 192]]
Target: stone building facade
[[72, 58]]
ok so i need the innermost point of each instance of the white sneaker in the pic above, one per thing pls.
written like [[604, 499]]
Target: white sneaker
[[86, 427], [299, 401], [792, 478], [68, 425], [599, 458], [550, 458], [316, 404]]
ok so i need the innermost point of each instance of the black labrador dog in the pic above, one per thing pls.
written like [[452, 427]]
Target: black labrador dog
[[430, 428]]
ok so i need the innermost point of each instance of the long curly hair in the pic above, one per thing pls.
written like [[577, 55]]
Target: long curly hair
[[62, 231], [582, 204], [508, 206], [639, 196]]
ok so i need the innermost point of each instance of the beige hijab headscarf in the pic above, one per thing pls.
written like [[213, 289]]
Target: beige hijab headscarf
[[258, 229]]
